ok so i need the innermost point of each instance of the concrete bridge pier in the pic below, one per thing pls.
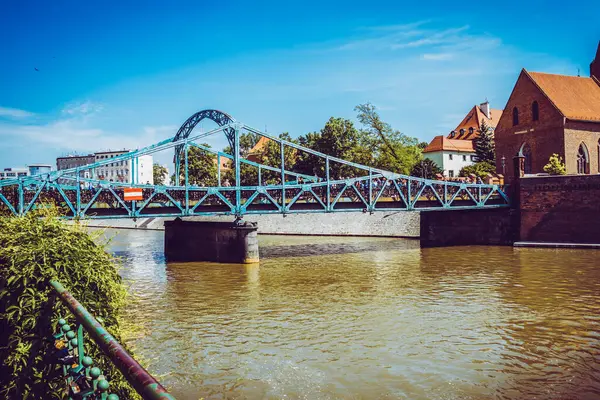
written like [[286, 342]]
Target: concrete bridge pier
[[224, 242]]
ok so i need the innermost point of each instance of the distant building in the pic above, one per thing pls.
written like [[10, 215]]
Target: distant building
[[547, 114], [451, 155], [456, 151], [468, 127], [33, 169], [36, 169], [13, 173], [118, 171], [122, 171], [74, 161]]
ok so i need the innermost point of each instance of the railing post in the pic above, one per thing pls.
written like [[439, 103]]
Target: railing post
[[282, 176], [187, 193], [78, 207], [371, 205], [259, 177], [21, 198], [236, 155], [328, 184], [219, 170]]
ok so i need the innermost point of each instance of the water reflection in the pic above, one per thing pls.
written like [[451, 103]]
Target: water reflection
[[363, 318]]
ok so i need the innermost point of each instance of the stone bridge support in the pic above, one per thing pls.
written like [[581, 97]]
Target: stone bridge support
[[224, 242]]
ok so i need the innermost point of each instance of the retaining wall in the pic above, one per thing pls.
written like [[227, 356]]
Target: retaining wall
[[389, 224]]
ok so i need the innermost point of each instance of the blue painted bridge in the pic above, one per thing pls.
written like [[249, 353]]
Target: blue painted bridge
[[79, 192]]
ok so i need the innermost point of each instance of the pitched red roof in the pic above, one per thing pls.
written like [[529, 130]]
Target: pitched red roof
[[441, 143], [577, 98], [473, 120]]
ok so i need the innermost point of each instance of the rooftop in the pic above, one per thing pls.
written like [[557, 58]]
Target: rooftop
[[441, 143], [473, 120], [577, 98]]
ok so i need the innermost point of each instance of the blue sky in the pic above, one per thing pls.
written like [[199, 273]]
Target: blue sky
[[128, 74]]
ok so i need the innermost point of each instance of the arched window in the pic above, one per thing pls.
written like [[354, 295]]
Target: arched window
[[452, 134], [515, 116], [525, 151], [535, 111], [462, 132], [471, 130], [583, 160]]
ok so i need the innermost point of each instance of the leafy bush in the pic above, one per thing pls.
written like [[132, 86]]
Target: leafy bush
[[34, 249], [426, 169], [555, 165], [480, 169]]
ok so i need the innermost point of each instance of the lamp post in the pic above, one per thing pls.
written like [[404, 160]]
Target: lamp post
[[503, 159]]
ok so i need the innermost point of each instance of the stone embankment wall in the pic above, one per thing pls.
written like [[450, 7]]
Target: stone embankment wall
[[560, 209], [497, 226], [386, 224]]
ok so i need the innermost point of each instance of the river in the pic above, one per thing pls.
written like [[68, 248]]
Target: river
[[367, 318]]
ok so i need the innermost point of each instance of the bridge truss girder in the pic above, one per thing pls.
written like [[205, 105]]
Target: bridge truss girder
[[80, 196]]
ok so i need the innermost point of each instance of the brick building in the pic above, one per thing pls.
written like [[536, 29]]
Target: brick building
[[548, 113]]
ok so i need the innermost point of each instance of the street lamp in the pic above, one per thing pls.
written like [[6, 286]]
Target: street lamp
[[503, 159]]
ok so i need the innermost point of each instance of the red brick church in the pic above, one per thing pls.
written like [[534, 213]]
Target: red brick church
[[548, 113]]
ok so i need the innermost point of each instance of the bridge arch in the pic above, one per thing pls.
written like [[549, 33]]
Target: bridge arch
[[219, 117]]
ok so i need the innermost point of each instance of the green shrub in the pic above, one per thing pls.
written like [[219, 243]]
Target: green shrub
[[34, 249], [555, 165], [480, 169]]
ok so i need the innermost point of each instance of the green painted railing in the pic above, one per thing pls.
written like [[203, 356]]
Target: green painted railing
[[83, 379]]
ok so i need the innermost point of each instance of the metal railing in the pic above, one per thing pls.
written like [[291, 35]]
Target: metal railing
[[83, 379]]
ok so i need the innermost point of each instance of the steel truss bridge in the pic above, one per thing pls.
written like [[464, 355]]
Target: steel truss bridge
[[78, 192]]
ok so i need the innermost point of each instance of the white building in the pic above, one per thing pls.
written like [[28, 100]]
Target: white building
[[13, 173], [451, 155], [124, 170]]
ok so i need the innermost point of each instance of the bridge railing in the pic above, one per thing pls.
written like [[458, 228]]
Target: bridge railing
[[84, 381]]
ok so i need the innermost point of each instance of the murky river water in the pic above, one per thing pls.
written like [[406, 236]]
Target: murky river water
[[364, 318]]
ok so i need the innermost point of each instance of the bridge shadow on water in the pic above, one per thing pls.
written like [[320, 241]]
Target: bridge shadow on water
[[357, 245]]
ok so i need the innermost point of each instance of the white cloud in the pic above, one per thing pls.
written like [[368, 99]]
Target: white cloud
[[15, 113], [437, 56], [82, 108]]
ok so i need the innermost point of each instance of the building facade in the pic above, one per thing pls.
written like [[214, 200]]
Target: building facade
[[13, 173], [36, 169], [118, 171], [451, 155], [74, 161], [122, 170], [552, 114], [456, 151]]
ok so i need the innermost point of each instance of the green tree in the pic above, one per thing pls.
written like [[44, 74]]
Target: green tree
[[426, 168], [390, 149], [202, 167], [247, 141], [35, 249], [480, 169], [159, 172], [555, 165], [484, 144], [338, 138]]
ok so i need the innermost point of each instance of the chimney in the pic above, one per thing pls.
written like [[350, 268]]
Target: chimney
[[485, 109]]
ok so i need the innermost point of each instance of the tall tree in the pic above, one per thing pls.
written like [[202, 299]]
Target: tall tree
[[202, 167], [247, 141], [484, 144], [391, 149], [338, 138], [159, 173]]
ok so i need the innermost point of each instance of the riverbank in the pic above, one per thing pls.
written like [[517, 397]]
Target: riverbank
[[403, 224]]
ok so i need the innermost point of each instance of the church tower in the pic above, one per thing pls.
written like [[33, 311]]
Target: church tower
[[595, 65]]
